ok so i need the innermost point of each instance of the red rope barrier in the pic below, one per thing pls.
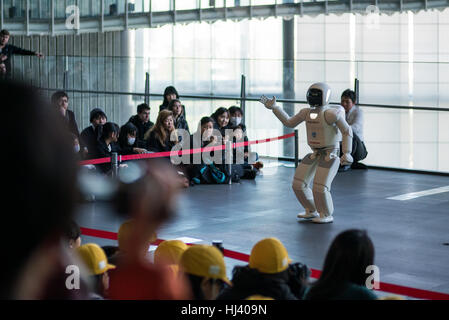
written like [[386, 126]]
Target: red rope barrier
[[184, 152], [385, 287]]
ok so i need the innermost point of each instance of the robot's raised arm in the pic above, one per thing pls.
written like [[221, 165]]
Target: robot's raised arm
[[288, 121]]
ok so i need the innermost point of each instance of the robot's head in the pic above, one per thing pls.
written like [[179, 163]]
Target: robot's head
[[318, 94]]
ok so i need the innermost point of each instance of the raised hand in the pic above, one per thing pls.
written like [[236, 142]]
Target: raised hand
[[268, 103]]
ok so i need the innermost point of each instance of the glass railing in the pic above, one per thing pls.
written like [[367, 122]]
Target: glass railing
[[404, 119]]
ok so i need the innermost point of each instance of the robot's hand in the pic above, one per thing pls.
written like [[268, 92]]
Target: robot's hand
[[269, 104], [346, 159]]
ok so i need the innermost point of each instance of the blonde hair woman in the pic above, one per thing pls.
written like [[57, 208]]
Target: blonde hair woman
[[162, 136]]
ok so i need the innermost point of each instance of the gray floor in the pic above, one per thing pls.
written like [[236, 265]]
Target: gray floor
[[409, 236]]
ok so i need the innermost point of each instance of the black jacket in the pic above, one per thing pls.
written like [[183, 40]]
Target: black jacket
[[247, 282], [154, 145], [10, 50], [88, 139], [70, 121], [142, 128], [101, 150], [125, 148]]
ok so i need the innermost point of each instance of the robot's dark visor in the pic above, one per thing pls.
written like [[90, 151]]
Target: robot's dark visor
[[315, 97]]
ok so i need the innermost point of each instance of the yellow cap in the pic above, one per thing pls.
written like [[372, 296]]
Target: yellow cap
[[391, 298], [125, 231], [169, 252], [269, 256], [94, 258], [258, 297], [204, 261]]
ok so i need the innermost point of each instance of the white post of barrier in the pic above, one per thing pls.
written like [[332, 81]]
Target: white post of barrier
[[228, 159], [114, 164]]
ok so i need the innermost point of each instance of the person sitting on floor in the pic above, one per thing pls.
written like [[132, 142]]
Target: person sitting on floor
[[242, 155], [221, 121], [162, 136], [128, 140], [344, 272], [97, 265], [169, 253], [90, 135], [354, 117], [269, 273], [205, 269], [180, 121], [142, 122], [106, 145], [207, 167]]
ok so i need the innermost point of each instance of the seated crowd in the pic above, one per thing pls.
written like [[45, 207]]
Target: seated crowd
[[139, 135]]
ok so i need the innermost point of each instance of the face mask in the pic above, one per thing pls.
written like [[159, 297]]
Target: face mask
[[131, 141], [236, 120], [76, 148]]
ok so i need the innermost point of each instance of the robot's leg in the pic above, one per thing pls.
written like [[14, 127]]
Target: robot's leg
[[301, 185], [325, 174]]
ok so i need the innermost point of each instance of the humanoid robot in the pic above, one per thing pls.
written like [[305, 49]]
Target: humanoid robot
[[325, 126]]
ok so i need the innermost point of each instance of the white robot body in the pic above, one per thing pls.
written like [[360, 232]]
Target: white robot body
[[320, 134], [326, 127]]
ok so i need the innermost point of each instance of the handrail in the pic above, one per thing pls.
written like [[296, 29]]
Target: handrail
[[238, 98]]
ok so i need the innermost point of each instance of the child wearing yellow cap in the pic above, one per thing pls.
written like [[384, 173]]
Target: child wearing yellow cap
[[344, 275], [169, 253], [269, 273], [205, 269], [97, 265]]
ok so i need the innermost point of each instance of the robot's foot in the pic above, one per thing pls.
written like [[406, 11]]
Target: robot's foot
[[308, 215], [328, 219]]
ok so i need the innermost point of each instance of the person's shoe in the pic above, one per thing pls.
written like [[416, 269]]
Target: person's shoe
[[358, 165], [196, 180], [308, 215], [344, 168], [327, 219]]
